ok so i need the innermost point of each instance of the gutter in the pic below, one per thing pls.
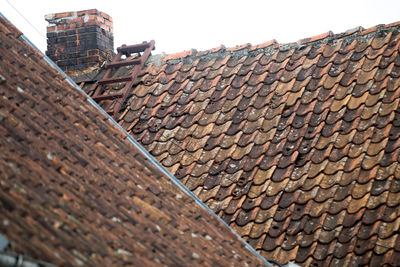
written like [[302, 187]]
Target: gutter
[[10, 260], [16, 260]]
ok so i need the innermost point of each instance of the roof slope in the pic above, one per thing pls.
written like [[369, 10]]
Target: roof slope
[[296, 146], [75, 191]]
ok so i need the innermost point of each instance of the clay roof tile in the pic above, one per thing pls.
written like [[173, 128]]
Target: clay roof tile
[[307, 130]]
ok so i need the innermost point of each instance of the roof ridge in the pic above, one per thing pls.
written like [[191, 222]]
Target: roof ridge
[[269, 47]]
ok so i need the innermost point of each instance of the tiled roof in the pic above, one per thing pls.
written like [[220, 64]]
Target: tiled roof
[[74, 190], [296, 146]]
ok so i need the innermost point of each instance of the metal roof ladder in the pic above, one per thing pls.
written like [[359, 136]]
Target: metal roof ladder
[[137, 62]]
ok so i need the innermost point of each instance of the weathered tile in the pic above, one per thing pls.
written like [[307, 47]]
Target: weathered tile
[[97, 181], [310, 130]]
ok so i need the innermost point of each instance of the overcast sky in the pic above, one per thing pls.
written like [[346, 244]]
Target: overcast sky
[[181, 25]]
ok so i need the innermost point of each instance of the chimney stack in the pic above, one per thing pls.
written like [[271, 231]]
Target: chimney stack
[[79, 42]]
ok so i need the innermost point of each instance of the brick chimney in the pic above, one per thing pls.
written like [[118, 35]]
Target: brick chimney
[[79, 42]]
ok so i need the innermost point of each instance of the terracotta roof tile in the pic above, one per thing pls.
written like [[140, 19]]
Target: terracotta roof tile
[[306, 131], [264, 45], [104, 201]]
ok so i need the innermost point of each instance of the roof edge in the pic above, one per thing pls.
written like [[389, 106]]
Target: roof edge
[[271, 46], [141, 149]]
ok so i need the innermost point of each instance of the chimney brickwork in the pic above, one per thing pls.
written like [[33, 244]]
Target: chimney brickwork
[[79, 42]]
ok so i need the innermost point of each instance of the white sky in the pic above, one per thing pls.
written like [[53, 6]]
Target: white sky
[[181, 25]]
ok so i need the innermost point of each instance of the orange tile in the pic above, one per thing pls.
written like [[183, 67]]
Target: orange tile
[[264, 45], [369, 30], [394, 24], [179, 55], [315, 38]]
